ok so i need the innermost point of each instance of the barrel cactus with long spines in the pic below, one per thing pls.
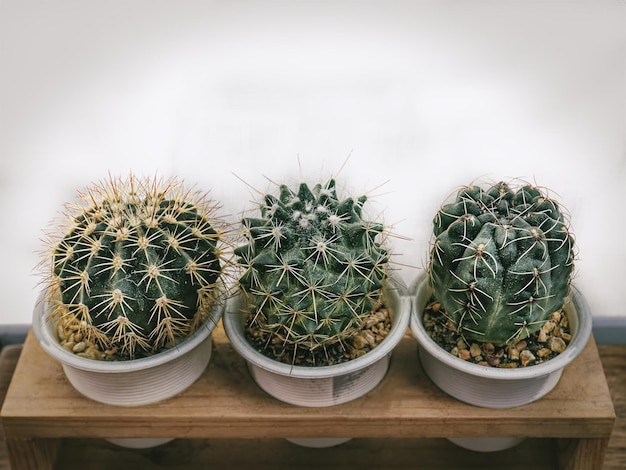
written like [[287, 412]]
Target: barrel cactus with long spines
[[139, 268], [501, 262], [313, 268]]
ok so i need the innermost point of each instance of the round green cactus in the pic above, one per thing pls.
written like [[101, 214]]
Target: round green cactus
[[501, 262], [313, 269], [140, 266]]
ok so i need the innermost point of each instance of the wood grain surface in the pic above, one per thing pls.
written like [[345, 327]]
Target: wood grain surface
[[390, 446]]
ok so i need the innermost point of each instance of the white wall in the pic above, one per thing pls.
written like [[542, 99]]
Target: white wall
[[424, 96]]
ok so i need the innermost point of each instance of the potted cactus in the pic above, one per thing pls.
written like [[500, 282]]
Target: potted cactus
[[134, 284], [318, 314], [499, 288]]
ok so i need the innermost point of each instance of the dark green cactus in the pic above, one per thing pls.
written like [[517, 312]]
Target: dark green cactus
[[313, 268], [139, 268], [501, 262]]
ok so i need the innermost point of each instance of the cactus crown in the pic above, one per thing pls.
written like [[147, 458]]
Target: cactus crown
[[139, 267], [501, 262], [313, 269]]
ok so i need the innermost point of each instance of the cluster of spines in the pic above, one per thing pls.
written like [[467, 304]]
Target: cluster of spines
[[140, 265], [501, 262], [313, 269]]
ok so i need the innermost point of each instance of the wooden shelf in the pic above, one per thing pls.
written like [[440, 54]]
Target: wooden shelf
[[224, 417]]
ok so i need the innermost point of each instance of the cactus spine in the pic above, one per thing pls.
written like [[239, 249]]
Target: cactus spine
[[501, 262], [313, 268], [139, 268]]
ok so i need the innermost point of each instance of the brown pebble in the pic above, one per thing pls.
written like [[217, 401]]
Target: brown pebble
[[526, 358], [544, 352], [475, 350], [359, 342], [548, 326], [464, 354], [556, 344], [542, 336], [375, 319], [513, 353], [492, 360], [369, 337]]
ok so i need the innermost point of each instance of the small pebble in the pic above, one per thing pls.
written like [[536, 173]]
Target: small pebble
[[556, 344], [475, 350], [526, 358], [464, 354], [369, 337], [542, 336], [548, 326], [359, 342], [493, 360], [544, 352]]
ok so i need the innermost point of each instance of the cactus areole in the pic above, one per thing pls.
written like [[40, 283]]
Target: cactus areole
[[139, 268], [501, 261], [313, 268]]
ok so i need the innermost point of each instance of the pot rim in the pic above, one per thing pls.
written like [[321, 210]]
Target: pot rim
[[578, 306], [43, 328], [400, 309]]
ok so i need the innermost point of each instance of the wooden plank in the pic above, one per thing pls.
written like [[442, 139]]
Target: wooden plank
[[226, 403], [381, 453], [32, 454], [582, 454], [614, 364], [8, 360], [24, 454]]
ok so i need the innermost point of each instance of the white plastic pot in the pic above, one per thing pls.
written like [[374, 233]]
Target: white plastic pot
[[494, 387], [132, 382], [490, 387], [323, 385]]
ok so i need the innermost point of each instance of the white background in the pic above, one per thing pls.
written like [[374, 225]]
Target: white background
[[421, 96]]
